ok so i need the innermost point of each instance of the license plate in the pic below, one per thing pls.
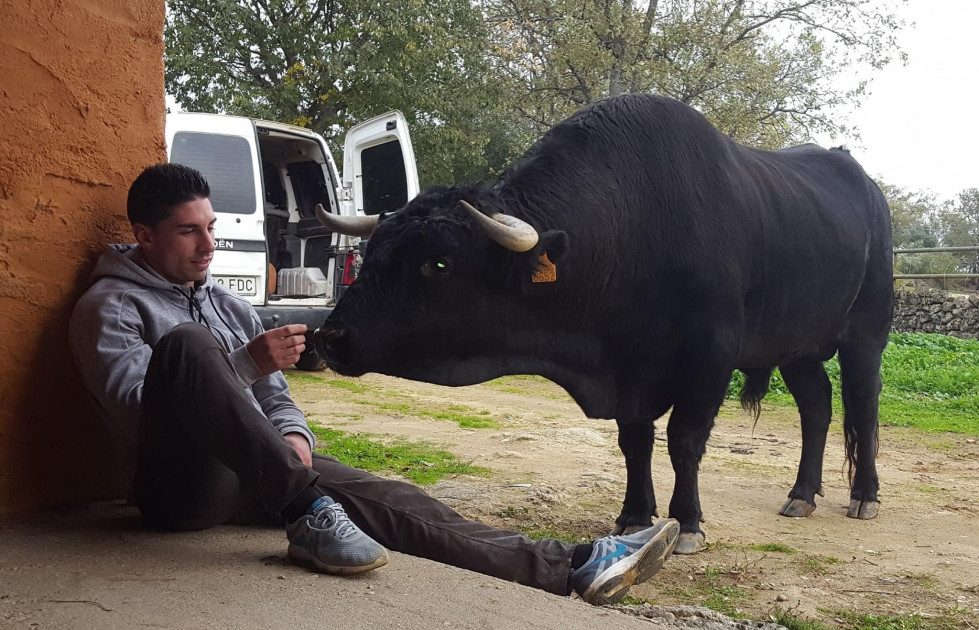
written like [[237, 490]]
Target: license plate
[[241, 286]]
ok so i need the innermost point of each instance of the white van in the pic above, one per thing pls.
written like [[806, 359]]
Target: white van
[[266, 179]]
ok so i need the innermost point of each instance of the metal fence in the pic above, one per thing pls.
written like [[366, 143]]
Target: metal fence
[[973, 265]]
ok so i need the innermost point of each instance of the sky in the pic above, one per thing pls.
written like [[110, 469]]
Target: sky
[[920, 125]]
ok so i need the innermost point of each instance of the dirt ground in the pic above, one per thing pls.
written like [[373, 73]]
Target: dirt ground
[[553, 470]]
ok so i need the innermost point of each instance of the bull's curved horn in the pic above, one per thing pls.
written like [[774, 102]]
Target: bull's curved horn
[[351, 226], [507, 231]]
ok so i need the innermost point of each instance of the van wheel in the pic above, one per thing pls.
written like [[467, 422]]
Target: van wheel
[[309, 361]]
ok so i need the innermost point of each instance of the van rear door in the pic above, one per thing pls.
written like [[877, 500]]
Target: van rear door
[[225, 150], [379, 171]]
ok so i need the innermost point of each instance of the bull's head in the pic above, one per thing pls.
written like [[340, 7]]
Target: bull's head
[[510, 232], [442, 293]]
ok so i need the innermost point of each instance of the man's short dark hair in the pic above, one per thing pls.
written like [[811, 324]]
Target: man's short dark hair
[[161, 188]]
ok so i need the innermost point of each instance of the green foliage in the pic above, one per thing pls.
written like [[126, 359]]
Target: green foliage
[[759, 69], [329, 65], [420, 462], [929, 381], [479, 82]]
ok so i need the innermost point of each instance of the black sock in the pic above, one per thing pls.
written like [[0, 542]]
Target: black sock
[[580, 555], [294, 510]]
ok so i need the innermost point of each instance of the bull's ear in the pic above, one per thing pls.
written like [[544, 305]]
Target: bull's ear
[[555, 243]]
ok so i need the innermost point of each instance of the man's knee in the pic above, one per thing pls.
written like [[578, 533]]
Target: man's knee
[[186, 336]]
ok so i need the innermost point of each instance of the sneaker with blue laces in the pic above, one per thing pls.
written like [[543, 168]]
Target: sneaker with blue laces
[[618, 562], [328, 540]]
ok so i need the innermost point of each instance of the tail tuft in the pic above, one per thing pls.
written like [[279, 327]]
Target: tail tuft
[[755, 387]]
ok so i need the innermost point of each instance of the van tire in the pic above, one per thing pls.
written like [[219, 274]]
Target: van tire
[[309, 361]]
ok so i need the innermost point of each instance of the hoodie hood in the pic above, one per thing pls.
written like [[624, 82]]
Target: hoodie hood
[[124, 261]]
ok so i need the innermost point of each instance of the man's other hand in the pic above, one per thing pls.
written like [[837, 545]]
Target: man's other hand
[[278, 348], [300, 444]]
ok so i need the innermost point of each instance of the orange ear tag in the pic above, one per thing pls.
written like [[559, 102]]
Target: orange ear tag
[[547, 272]]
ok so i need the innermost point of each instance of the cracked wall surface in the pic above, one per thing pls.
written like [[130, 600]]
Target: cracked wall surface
[[81, 113]]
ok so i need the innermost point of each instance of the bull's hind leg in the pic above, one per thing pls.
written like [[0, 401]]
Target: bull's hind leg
[[860, 360], [809, 385], [639, 506]]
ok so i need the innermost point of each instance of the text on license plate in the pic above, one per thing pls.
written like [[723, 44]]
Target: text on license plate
[[241, 286]]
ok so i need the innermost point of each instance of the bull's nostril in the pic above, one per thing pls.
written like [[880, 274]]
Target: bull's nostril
[[330, 343]]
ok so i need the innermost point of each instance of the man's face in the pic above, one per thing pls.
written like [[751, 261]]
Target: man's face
[[180, 247]]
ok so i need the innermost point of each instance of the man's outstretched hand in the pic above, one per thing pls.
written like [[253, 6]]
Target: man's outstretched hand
[[278, 348]]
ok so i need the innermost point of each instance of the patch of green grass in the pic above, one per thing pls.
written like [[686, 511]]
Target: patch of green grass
[[724, 599], [629, 600], [466, 421], [465, 417], [851, 620], [713, 573], [930, 382], [863, 621], [819, 565], [793, 621], [925, 580], [774, 547], [399, 408], [517, 378], [421, 462], [540, 533], [302, 378], [350, 386]]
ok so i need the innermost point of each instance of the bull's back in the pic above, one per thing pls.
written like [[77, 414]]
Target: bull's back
[[821, 235]]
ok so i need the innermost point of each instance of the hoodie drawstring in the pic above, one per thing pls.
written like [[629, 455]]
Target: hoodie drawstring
[[196, 311], [218, 311]]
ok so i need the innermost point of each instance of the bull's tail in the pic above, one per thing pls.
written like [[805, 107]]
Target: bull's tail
[[755, 388]]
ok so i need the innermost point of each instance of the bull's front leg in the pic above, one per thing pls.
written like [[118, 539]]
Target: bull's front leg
[[639, 506], [690, 424]]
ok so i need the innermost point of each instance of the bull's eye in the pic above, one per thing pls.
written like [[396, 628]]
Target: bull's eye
[[437, 266]]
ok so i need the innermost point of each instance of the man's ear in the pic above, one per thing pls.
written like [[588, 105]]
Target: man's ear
[[555, 243], [143, 234]]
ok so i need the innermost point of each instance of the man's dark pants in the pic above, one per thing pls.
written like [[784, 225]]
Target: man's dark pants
[[208, 456]]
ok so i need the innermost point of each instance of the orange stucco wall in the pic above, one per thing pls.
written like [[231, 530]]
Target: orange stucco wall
[[81, 113]]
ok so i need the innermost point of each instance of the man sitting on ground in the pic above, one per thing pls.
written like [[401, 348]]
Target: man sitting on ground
[[191, 387]]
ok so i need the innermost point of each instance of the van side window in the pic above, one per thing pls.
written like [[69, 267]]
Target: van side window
[[384, 181], [226, 163]]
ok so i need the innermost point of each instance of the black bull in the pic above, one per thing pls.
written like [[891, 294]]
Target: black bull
[[678, 256]]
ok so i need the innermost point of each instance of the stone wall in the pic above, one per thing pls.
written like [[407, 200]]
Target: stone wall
[[81, 113], [928, 310]]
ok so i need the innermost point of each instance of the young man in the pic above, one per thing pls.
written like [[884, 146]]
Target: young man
[[191, 386]]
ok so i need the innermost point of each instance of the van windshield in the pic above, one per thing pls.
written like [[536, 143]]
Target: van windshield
[[226, 163]]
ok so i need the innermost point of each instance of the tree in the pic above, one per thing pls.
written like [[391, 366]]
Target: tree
[[329, 64], [761, 70], [960, 221]]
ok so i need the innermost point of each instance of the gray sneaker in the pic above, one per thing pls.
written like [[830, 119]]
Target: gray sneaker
[[328, 539], [618, 562]]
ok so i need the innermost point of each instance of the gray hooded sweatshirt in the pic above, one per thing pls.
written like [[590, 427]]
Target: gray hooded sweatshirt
[[126, 311]]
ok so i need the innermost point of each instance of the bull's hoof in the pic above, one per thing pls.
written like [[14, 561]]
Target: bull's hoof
[[797, 508], [864, 510], [690, 543], [618, 530]]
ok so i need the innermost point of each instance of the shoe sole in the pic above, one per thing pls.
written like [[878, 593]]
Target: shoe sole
[[615, 582], [300, 554]]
